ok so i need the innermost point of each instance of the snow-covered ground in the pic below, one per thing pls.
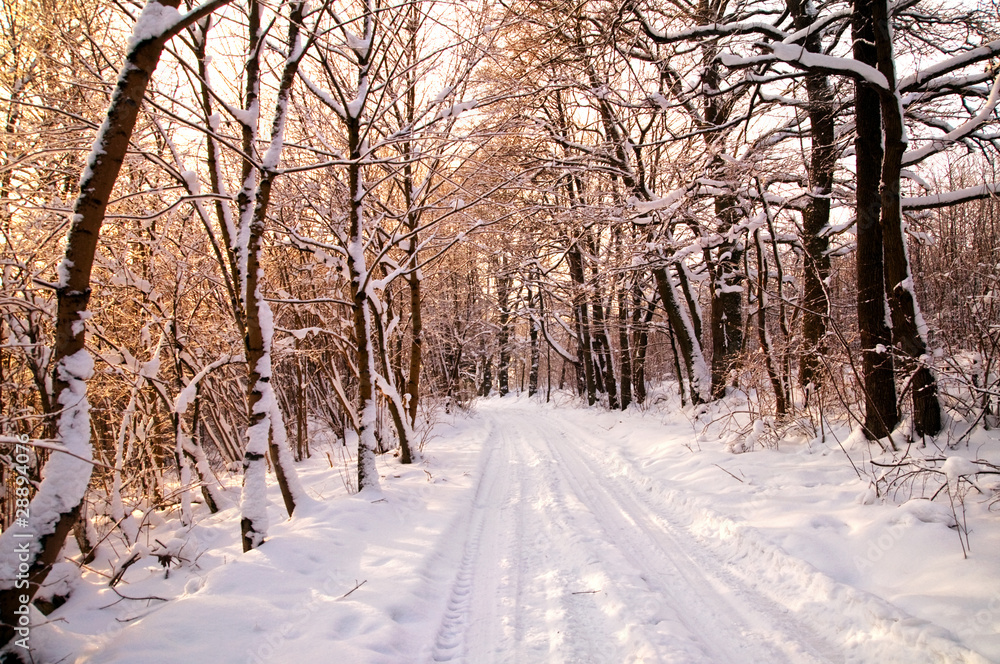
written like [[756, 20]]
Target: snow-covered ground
[[553, 533]]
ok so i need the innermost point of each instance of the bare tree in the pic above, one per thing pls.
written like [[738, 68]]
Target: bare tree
[[56, 506]]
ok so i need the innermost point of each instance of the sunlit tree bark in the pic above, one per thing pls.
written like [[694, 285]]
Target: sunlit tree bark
[[56, 506]]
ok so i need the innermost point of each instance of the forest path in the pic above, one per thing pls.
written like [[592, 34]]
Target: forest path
[[537, 534], [565, 560]]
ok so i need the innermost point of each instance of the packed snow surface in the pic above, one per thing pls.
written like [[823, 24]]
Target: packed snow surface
[[531, 532]]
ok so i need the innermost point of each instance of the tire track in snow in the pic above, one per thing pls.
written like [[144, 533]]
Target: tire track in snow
[[562, 563], [516, 595], [554, 564], [843, 622], [728, 622], [450, 642]]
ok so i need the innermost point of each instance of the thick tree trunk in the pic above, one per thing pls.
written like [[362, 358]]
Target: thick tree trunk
[[908, 330], [585, 346], [253, 525], [535, 351], [365, 352], [503, 337], [642, 316], [486, 384], [690, 347], [603, 351], [416, 337], [816, 216], [727, 298], [266, 431], [881, 411], [625, 349], [683, 382]]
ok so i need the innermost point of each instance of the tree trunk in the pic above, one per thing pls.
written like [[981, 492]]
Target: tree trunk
[[358, 271], [259, 439], [881, 412], [229, 262], [57, 502], [694, 310], [533, 338], [266, 431], [816, 216], [642, 316], [624, 346], [503, 338], [690, 347], [585, 350], [416, 336], [908, 330], [727, 298], [301, 408], [603, 350], [486, 385], [683, 384], [777, 382], [414, 277], [397, 410]]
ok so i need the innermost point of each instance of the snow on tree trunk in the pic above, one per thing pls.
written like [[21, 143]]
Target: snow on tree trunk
[[367, 472], [816, 216], [56, 506], [727, 297], [266, 431], [261, 401], [909, 333], [358, 271], [694, 360], [881, 411]]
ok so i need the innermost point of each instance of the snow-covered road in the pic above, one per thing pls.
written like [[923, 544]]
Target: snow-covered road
[[532, 533], [564, 562]]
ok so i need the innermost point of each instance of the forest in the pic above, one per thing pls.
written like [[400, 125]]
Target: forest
[[227, 226]]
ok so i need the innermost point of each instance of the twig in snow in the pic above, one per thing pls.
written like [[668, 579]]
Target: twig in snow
[[88, 568], [151, 597], [728, 473], [354, 588], [124, 597]]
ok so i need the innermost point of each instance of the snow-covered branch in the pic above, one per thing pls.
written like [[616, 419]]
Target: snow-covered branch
[[949, 198]]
